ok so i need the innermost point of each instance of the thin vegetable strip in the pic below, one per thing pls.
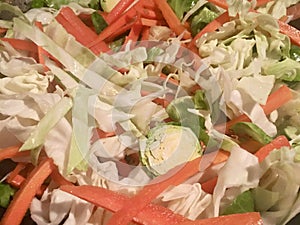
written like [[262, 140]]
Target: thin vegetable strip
[[21, 201]]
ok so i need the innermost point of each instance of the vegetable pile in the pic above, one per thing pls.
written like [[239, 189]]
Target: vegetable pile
[[150, 112]]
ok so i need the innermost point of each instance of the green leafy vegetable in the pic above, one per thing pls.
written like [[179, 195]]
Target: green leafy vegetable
[[200, 20], [200, 100], [98, 22], [242, 204], [181, 6], [295, 53], [6, 192], [287, 70], [248, 130]]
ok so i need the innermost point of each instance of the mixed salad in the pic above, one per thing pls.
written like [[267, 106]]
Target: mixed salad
[[150, 111]]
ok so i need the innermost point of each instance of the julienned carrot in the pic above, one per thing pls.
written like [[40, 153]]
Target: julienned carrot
[[112, 201], [72, 23], [278, 142], [151, 191], [150, 14], [123, 20], [58, 178], [145, 34], [292, 32], [275, 101], [42, 53], [171, 19], [209, 185], [220, 3], [118, 10], [21, 44], [251, 218], [9, 152], [149, 22], [261, 154], [134, 33], [212, 26], [19, 167], [23, 197]]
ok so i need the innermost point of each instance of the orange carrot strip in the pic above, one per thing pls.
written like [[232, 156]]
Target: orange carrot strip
[[42, 53], [23, 197], [150, 14], [114, 28], [134, 33], [275, 101], [151, 191], [19, 167], [71, 22], [58, 178], [145, 33], [292, 32], [209, 186], [118, 10], [99, 48], [251, 145], [212, 26], [261, 154], [171, 19], [112, 201], [21, 44], [220, 3], [252, 218], [16, 181], [149, 22], [9, 152], [278, 142]]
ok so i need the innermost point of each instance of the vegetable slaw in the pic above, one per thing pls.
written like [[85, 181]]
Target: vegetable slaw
[[150, 112]]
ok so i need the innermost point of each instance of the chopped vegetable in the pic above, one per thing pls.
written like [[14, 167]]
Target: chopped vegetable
[[23, 197], [243, 203], [6, 192]]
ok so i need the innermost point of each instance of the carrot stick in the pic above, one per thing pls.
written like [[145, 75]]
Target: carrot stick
[[118, 10], [148, 193], [277, 143], [134, 33], [112, 201], [42, 53], [275, 101], [149, 22], [71, 22], [19, 167], [220, 3], [58, 178], [292, 32], [251, 218], [261, 154], [171, 19], [21, 44], [212, 26], [115, 27], [145, 33], [150, 14], [209, 186], [9, 152], [23, 197]]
